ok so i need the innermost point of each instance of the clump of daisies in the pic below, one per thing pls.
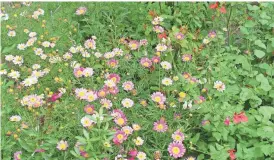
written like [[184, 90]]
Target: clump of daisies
[[37, 13], [35, 75], [85, 94], [83, 72], [17, 60], [33, 100], [176, 148]]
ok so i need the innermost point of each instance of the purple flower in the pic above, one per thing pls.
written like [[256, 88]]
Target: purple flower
[[176, 150]]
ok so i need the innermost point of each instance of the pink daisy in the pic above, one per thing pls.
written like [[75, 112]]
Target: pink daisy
[[119, 137], [81, 11], [160, 126], [155, 59], [176, 150], [89, 109], [78, 72], [90, 44], [133, 45], [158, 29], [178, 136], [114, 77], [128, 86], [187, 57], [145, 62], [158, 97], [179, 36], [113, 63]]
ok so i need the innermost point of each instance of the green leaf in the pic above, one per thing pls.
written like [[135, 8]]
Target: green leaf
[[260, 44], [246, 94], [86, 134], [266, 111], [244, 30], [264, 82], [217, 135], [8, 49], [259, 53], [249, 24]]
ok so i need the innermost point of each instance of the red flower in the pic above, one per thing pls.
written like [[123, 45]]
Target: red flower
[[241, 117], [55, 96], [162, 35], [232, 154], [214, 6], [223, 10], [227, 121]]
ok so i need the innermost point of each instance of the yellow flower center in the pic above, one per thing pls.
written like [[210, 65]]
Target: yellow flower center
[[176, 150]]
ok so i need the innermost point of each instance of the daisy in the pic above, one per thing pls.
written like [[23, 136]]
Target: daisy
[[128, 86], [17, 155], [145, 62], [118, 51], [127, 129], [88, 72], [157, 20], [3, 72], [36, 66], [90, 44], [176, 150], [11, 33], [158, 97], [81, 11], [46, 44], [37, 74], [78, 72], [9, 58], [219, 85], [86, 121], [119, 137], [158, 29], [141, 156], [143, 42], [30, 81], [160, 126], [178, 136], [91, 96], [32, 34], [138, 141], [85, 54], [212, 34], [15, 118], [109, 55], [127, 103], [166, 65], [62, 145], [80, 93], [167, 81], [106, 103], [21, 46], [113, 63], [73, 49], [120, 120], [155, 59], [18, 60], [136, 127], [110, 83], [14, 74], [179, 36], [102, 93], [133, 45], [161, 47], [187, 57], [98, 54], [206, 41], [38, 51], [89, 109]]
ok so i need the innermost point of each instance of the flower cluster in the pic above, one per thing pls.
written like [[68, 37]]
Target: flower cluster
[[33, 101]]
